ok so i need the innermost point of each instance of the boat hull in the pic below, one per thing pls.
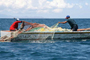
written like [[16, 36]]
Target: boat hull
[[53, 35], [47, 35]]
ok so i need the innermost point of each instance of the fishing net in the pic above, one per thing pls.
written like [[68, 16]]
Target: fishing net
[[35, 27], [44, 28]]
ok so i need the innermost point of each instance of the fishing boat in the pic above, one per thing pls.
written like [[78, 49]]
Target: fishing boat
[[47, 35], [40, 33]]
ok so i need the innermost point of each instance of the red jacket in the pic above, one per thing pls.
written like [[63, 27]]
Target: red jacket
[[15, 25]]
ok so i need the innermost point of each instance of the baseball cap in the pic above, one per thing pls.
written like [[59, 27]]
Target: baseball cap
[[67, 16]]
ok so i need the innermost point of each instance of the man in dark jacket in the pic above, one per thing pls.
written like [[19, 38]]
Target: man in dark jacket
[[71, 22]]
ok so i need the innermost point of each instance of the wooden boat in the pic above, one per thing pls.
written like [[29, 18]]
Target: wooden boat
[[47, 35], [54, 35], [43, 35]]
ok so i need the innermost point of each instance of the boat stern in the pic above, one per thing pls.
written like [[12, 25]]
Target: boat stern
[[6, 33]]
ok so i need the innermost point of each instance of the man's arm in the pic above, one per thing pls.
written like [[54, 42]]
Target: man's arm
[[63, 22]]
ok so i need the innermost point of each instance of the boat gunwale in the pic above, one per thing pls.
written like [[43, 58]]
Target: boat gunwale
[[66, 32]]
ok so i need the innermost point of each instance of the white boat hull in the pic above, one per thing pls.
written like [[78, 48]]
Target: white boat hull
[[48, 35], [53, 35]]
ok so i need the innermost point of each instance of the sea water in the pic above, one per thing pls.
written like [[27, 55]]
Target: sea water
[[46, 49]]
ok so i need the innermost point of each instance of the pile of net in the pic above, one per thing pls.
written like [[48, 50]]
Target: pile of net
[[43, 28]]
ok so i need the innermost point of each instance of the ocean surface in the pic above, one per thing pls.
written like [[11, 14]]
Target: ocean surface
[[47, 49]]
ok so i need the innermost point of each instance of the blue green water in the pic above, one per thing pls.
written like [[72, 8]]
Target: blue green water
[[47, 49]]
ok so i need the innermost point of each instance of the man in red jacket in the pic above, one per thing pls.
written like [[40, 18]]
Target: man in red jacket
[[14, 26]]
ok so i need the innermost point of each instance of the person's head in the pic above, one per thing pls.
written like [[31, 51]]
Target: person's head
[[17, 19], [67, 17]]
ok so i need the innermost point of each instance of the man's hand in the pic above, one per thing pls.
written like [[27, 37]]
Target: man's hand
[[23, 21], [58, 22]]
